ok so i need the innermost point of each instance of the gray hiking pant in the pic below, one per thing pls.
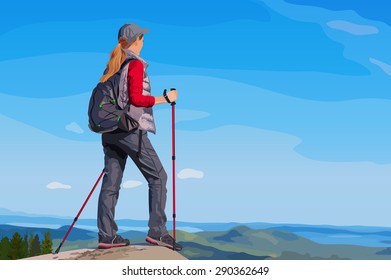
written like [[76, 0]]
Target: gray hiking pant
[[117, 147]]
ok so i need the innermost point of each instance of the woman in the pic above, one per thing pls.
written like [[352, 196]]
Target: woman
[[118, 145]]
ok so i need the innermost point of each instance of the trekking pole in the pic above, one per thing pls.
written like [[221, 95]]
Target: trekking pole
[[173, 168], [78, 214]]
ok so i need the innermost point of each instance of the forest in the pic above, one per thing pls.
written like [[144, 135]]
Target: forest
[[19, 247]]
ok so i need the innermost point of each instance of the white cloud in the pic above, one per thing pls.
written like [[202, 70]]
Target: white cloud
[[131, 184], [57, 185], [188, 173], [352, 28], [384, 66], [74, 127]]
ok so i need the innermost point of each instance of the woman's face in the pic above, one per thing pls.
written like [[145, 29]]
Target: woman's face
[[137, 45]]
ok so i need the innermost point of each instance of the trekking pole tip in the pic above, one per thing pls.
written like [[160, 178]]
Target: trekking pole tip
[[58, 250]]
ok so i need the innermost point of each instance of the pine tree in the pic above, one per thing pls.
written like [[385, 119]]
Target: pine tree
[[25, 247], [5, 248], [47, 244], [30, 244], [34, 246], [16, 247]]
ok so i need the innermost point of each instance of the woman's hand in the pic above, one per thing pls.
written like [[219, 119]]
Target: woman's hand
[[172, 95]]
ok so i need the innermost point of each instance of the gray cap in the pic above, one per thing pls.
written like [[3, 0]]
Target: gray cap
[[131, 32]]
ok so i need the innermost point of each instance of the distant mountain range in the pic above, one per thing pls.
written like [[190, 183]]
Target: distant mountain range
[[238, 243], [245, 243], [222, 240]]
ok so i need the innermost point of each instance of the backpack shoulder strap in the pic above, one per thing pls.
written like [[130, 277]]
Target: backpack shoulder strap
[[126, 62]]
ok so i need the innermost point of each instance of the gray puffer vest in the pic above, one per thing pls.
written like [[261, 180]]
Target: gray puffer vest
[[144, 116]]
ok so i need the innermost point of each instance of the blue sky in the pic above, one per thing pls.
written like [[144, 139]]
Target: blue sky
[[282, 115]]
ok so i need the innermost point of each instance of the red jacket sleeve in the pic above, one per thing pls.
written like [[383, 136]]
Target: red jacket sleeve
[[135, 86]]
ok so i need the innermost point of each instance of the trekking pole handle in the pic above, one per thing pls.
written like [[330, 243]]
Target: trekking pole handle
[[166, 97]]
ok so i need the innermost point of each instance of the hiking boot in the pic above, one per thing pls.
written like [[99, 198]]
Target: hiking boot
[[117, 241], [165, 241]]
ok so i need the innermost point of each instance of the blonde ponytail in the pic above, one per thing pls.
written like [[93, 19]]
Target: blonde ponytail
[[117, 57]]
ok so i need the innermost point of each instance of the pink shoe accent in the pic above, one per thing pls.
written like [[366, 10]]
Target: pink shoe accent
[[151, 240]]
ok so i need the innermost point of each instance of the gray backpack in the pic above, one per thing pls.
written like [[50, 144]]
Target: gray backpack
[[104, 114]]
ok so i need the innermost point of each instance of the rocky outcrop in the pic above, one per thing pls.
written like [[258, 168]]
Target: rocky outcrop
[[122, 253]]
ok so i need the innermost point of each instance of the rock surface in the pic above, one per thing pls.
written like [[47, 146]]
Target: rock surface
[[123, 253]]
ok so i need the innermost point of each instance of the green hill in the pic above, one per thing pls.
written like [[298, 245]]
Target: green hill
[[245, 243]]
